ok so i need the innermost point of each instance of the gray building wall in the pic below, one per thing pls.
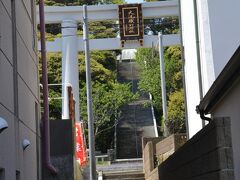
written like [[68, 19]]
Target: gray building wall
[[19, 90], [222, 15], [229, 107]]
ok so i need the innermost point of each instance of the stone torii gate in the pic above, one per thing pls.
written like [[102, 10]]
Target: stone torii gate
[[70, 44]]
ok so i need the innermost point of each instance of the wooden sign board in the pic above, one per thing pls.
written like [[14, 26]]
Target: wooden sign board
[[131, 23]]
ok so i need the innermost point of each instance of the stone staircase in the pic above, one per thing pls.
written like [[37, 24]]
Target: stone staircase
[[134, 175], [136, 120], [122, 169]]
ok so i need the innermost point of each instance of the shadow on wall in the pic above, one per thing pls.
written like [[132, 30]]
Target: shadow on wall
[[62, 151]]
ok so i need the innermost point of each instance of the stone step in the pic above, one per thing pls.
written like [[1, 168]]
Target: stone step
[[127, 161], [124, 175]]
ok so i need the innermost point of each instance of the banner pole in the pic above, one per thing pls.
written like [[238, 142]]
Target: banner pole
[[91, 138], [163, 85]]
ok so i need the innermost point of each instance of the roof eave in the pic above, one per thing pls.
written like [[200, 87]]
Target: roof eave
[[227, 78]]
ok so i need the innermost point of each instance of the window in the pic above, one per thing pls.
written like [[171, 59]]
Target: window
[[17, 175], [2, 174], [37, 140], [33, 16]]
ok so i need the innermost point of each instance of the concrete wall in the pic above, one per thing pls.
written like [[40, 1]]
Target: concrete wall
[[19, 92], [229, 106], [62, 150], [168, 146], [207, 155], [157, 150], [148, 159]]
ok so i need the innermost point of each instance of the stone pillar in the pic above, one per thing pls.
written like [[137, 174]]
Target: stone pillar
[[70, 66]]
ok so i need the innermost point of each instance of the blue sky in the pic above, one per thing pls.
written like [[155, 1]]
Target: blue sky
[[134, 1]]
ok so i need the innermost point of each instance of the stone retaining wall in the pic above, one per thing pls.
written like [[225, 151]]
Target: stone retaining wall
[[207, 155]]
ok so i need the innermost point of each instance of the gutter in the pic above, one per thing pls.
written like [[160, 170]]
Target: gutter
[[45, 120], [202, 114]]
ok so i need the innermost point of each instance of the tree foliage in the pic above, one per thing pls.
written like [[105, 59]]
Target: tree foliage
[[150, 75], [176, 112], [79, 2], [165, 25], [107, 101], [173, 68], [148, 59]]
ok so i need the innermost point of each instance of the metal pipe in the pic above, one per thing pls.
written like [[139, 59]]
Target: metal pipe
[[163, 85], [91, 138], [46, 129], [198, 53], [153, 115]]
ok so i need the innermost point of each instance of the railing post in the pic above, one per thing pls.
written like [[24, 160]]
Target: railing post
[[163, 85]]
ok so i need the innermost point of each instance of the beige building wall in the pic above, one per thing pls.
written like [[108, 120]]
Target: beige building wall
[[229, 107], [19, 91]]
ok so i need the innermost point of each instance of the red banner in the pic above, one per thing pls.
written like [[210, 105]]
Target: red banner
[[81, 154]]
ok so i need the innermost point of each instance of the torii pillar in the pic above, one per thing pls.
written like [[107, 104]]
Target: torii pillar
[[70, 72]]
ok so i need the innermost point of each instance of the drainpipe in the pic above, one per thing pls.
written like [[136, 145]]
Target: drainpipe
[[183, 69], [46, 130], [202, 114], [198, 53]]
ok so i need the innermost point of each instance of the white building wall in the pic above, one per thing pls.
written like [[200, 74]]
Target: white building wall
[[25, 124], [191, 76], [218, 40], [205, 43]]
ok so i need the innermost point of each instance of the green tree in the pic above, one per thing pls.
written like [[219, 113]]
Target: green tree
[[99, 73], [107, 100], [150, 75], [148, 60], [176, 112], [54, 77], [55, 104], [165, 25], [173, 68]]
